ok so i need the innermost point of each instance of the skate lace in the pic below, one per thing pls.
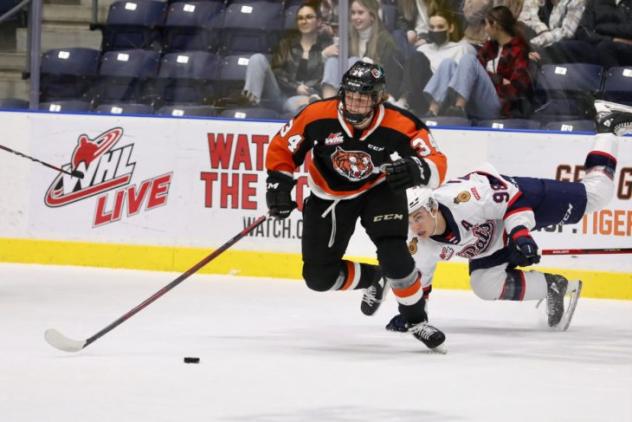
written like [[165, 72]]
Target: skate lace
[[369, 296], [423, 330]]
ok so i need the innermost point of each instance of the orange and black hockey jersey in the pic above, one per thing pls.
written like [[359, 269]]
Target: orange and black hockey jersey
[[345, 161]]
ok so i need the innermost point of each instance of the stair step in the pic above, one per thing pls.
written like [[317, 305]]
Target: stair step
[[13, 62], [77, 14], [13, 86], [62, 36]]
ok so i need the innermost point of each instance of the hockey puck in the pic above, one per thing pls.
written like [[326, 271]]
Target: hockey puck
[[191, 360]]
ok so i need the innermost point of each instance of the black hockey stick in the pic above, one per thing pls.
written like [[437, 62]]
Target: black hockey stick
[[596, 251], [74, 173], [61, 342]]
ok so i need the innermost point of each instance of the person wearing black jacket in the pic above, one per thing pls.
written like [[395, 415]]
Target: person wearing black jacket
[[292, 78], [604, 36]]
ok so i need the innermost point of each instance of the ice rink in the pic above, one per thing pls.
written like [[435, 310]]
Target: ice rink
[[272, 350]]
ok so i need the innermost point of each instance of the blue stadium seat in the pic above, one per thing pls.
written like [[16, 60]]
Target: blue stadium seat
[[192, 26], [13, 104], [252, 26], [133, 24], [567, 90], [68, 73], [184, 110], [250, 113], [125, 75], [65, 106], [571, 126], [289, 17], [446, 121], [187, 77], [124, 108], [231, 75], [570, 77], [509, 124], [618, 85]]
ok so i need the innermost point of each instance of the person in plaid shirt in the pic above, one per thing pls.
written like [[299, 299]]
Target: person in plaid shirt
[[490, 83]]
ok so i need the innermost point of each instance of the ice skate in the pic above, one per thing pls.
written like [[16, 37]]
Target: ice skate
[[431, 336], [556, 289], [613, 118], [374, 296], [397, 324], [573, 291]]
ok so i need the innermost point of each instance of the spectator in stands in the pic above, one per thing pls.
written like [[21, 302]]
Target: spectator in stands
[[603, 37], [445, 41], [474, 12], [490, 84], [560, 24], [412, 24], [367, 39], [329, 17], [294, 76]]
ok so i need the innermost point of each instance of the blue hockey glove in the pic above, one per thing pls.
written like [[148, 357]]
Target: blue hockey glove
[[523, 251], [278, 194], [406, 172]]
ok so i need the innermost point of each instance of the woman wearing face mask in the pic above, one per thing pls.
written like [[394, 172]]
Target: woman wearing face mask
[[445, 41], [490, 84], [367, 39]]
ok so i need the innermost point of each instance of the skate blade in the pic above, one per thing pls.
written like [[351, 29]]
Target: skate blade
[[602, 106], [573, 294], [441, 349]]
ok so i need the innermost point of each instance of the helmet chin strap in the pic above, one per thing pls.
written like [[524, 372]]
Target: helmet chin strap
[[436, 223]]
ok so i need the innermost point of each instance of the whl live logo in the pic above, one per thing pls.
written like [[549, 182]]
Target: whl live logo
[[107, 174]]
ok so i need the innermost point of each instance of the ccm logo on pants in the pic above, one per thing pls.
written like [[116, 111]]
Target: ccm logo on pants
[[387, 217]]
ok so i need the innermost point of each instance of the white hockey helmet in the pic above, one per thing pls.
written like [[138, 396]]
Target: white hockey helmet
[[421, 197]]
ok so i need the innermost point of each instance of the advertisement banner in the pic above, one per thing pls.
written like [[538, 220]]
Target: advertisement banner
[[196, 182]]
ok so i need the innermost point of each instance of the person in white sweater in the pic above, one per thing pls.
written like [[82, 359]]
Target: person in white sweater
[[445, 42]]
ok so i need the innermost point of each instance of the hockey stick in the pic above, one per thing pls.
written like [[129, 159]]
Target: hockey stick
[[61, 342], [74, 173], [597, 251]]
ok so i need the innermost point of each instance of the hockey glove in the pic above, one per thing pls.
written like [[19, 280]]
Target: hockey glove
[[278, 194], [523, 251], [406, 172]]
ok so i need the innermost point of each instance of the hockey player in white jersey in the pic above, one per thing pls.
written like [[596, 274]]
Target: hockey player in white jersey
[[487, 218]]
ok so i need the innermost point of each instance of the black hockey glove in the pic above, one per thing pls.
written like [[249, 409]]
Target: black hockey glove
[[278, 194], [406, 172], [523, 251]]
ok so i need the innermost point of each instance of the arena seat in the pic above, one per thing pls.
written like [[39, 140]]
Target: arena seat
[[251, 26], [509, 124], [231, 75], [65, 106], [192, 26], [446, 121], [187, 77], [124, 108], [567, 90], [68, 73], [618, 85], [184, 110], [250, 113], [124, 75], [13, 104], [133, 24], [571, 126]]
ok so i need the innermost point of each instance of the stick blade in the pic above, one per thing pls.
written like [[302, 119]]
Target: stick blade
[[63, 343]]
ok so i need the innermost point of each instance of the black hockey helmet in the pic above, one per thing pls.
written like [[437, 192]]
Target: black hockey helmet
[[364, 78]]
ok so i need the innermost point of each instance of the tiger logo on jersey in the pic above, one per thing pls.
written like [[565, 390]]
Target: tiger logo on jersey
[[412, 245], [354, 165]]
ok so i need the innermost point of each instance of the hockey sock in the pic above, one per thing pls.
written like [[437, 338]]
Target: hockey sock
[[523, 285], [354, 275]]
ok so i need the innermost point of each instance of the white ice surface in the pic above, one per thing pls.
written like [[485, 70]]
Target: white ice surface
[[272, 350]]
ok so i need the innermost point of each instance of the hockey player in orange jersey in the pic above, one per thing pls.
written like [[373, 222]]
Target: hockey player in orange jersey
[[365, 153]]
